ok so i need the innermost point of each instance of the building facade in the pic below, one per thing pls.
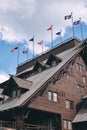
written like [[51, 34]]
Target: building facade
[[46, 92]]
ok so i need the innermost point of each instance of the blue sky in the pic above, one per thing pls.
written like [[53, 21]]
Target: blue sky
[[19, 21]]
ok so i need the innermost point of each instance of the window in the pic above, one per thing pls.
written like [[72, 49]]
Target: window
[[67, 75], [69, 104], [49, 95], [55, 97], [67, 124], [53, 63], [80, 89], [19, 93], [79, 67], [52, 96], [84, 79], [16, 93], [39, 69]]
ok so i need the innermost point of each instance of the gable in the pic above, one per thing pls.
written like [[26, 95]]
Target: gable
[[53, 60], [15, 83], [39, 66]]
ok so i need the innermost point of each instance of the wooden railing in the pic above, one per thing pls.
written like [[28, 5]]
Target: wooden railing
[[23, 126]]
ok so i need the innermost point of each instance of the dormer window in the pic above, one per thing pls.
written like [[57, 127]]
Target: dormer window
[[53, 60], [39, 70], [39, 67], [16, 93], [53, 63]]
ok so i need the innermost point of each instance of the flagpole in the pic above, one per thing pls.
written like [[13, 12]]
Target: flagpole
[[18, 56], [72, 25], [33, 46], [60, 37], [27, 53], [81, 29], [52, 35], [42, 48]]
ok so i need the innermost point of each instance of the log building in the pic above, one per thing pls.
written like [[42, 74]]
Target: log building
[[48, 92]]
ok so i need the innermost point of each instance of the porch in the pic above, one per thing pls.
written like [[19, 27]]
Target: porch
[[34, 120]]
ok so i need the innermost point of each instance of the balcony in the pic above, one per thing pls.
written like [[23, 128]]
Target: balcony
[[6, 125]]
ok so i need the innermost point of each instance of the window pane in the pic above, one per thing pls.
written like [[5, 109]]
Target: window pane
[[77, 66], [82, 90], [78, 88], [39, 69], [65, 124], [14, 93], [55, 97], [53, 63], [81, 68], [84, 79], [67, 104], [69, 125], [49, 95]]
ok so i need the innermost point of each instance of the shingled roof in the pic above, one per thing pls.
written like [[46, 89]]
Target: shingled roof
[[20, 82], [40, 79], [81, 116]]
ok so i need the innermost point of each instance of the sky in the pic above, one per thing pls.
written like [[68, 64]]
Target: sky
[[21, 20]]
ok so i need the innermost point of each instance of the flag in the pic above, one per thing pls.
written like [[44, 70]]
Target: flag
[[58, 33], [41, 42], [14, 49], [50, 28], [68, 16], [76, 22], [32, 39], [25, 51]]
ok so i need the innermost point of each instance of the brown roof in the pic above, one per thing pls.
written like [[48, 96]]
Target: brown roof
[[22, 83], [82, 114], [41, 79]]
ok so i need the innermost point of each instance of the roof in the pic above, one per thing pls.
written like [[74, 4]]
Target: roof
[[15, 83], [82, 114], [40, 79], [20, 82], [65, 45]]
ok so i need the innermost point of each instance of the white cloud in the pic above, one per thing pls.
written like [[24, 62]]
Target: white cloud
[[22, 20], [8, 34], [38, 49], [3, 76]]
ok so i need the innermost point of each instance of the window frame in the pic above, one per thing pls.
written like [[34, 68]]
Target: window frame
[[52, 96], [84, 79], [53, 63], [80, 89], [69, 104], [55, 97], [67, 124]]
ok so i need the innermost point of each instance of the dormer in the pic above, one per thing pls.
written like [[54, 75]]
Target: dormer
[[15, 87], [39, 67], [53, 60]]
